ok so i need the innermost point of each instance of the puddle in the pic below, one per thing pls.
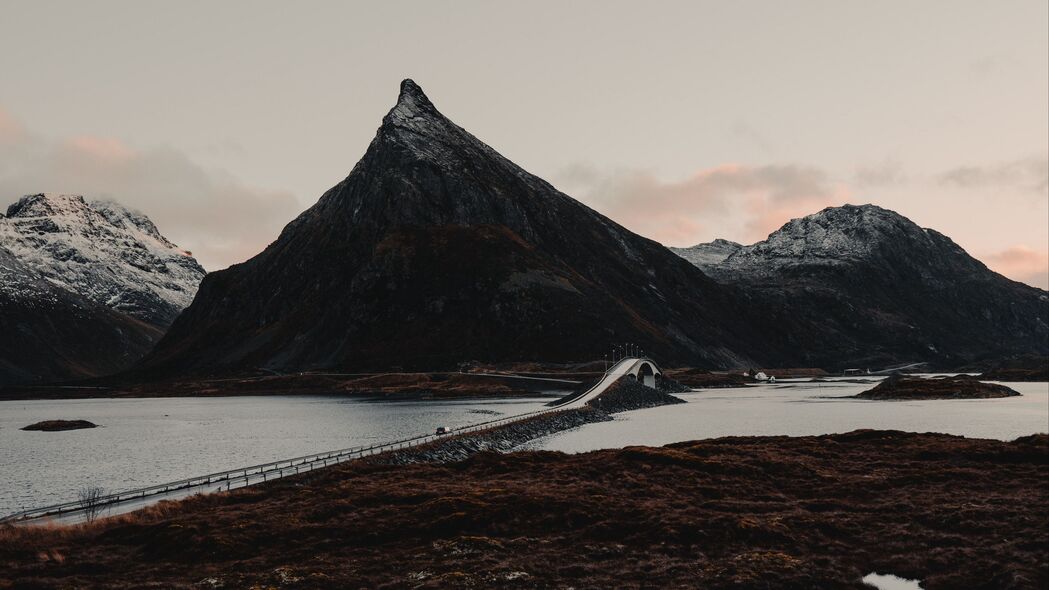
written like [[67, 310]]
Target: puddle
[[890, 582]]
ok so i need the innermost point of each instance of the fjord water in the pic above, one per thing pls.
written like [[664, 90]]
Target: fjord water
[[803, 408], [142, 442]]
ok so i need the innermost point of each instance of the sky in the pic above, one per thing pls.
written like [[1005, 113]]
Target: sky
[[683, 121]]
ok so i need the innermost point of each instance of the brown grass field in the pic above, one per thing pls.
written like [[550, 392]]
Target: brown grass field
[[753, 512]]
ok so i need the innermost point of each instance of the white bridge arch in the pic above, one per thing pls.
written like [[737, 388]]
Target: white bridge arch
[[644, 370]]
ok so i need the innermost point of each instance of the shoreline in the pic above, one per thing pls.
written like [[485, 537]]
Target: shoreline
[[391, 386], [439, 385], [509, 381], [405, 397]]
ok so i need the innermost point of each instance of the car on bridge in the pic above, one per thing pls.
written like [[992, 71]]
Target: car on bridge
[[443, 430]]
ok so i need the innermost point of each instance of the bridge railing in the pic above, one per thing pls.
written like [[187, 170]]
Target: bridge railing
[[278, 469], [263, 471]]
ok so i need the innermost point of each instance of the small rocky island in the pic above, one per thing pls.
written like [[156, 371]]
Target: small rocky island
[[59, 425], [898, 388]]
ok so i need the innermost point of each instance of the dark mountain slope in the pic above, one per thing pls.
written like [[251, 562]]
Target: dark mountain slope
[[865, 286], [48, 333], [436, 249]]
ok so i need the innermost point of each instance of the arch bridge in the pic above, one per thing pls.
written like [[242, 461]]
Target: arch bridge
[[643, 369]]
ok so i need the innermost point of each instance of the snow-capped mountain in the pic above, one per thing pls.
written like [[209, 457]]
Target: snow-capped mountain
[[708, 254], [842, 236], [867, 286], [86, 289], [104, 252]]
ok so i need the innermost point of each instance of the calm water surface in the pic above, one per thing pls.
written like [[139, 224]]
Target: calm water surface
[[797, 408], [148, 441]]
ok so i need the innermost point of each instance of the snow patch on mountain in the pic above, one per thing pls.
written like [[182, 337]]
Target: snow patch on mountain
[[17, 282], [103, 251], [708, 254], [833, 237]]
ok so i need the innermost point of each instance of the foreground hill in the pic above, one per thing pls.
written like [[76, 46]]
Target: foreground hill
[[865, 286], [435, 250], [85, 289], [741, 512]]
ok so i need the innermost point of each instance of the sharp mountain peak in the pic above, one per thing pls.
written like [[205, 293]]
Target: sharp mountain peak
[[415, 112], [412, 96]]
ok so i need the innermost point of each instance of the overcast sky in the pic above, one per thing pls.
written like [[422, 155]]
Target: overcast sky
[[684, 121]]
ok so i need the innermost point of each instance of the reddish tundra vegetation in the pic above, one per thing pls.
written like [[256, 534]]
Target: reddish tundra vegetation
[[761, 512], [898, 387]]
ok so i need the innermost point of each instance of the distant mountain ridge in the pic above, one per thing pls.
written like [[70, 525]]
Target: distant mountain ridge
[[436, 249], [87, 288], [863, 284]]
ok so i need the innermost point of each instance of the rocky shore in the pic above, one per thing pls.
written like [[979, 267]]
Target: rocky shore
[[1017, 369], [623, 396], [501, 438], [900, 388], [1018, 375], [396, 385], [699, 378], [59, 425]]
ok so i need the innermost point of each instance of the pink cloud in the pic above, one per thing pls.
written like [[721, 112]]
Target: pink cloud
[[1023, 264], [767, 215], [102, 148], [11, 131], [220, 219], [731, 200]]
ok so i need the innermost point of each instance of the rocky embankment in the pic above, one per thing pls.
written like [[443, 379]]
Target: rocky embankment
[[500, 439], [623, 396], [899, 388], [628, 395], [60, 425]]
